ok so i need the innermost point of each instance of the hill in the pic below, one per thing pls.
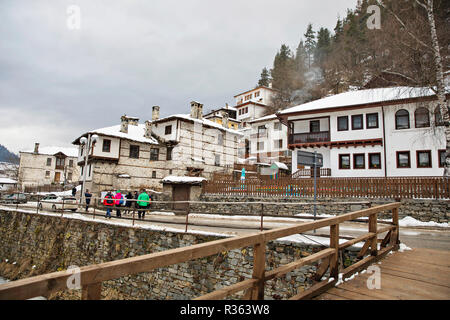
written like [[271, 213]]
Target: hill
[[8, 156]]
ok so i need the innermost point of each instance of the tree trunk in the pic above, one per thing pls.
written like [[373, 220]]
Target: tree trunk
[[440, 85]]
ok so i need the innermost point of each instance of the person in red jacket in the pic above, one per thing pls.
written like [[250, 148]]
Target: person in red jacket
[[108, 201]]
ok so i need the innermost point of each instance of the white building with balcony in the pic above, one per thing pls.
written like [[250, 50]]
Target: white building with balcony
[[252, 104], [384, 132]]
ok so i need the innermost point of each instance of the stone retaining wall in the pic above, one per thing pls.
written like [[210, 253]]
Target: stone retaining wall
[[41, 244]]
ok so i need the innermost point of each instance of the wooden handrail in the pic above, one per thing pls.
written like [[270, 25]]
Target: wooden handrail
[[92, 276]]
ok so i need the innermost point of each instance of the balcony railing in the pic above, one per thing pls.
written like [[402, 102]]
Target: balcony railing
[[263, 134], [309, 173], [309, 137]]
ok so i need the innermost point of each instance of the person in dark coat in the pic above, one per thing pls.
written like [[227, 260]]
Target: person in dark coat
[[74, 191], [135, 197], [88, 197], [128, 204]]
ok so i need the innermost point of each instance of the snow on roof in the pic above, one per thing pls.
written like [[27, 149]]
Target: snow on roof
[[367, 96], [202, 121], [68, 151], [265, 118], [7, 181], [135, 133], [183, 179], [280, 165]]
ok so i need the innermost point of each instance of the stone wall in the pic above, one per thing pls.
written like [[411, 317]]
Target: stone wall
[[420, 209], [37, 244]]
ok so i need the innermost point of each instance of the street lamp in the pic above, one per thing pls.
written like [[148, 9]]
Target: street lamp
[[87, 144]]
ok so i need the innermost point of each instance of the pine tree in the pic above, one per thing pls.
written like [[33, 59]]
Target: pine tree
[[265, 78], [310, 43], [323, 46]]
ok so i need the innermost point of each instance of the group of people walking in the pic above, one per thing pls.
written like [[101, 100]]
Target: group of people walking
[[128, 202]]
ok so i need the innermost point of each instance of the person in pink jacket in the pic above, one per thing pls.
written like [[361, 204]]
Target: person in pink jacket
[[119, 202]]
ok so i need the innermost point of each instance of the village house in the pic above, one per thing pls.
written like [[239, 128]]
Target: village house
[[252, 104], [219, 114], [131, 155], [382, 132], [268, 141], [48, 165]]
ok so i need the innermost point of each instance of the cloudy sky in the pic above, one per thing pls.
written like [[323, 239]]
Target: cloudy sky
[[58, 82]]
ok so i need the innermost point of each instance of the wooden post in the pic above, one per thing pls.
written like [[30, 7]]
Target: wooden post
[[259, 268], [91, 291], [95, 206], [396, 232], [262, 216], [334, 243], [373, 229], [187, 217]]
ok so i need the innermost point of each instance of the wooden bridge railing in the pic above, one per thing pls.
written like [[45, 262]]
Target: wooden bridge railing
[[92, 276]]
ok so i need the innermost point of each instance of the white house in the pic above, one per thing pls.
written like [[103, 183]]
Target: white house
[[384, 132], [252, 104], [131, 155], [268, 140], [47, 165]]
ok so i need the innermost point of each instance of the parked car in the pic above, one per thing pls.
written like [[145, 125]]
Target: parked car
[[15, 198], [54, 202]]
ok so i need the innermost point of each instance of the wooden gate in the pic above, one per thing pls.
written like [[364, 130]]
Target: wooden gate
[[181, 193]]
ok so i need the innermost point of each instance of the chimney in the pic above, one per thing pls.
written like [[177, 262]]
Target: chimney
[[36, 147], [196, 110], [148, 129], [225, 120], [155, 113], [124, 124]]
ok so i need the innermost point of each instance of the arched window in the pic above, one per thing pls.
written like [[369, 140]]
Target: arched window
[[402, 119], [422, 117], [438, 121]]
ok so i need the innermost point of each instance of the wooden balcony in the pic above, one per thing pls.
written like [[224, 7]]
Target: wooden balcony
[[309, 173], [309, 137]]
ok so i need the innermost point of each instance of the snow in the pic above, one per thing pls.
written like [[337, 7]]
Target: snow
[[265, 118], [51, 150], [61, 193], [123, 175], [361, 97], [403, 247], [411, 222], [183, 179], [135, 133], [313, 240], [280, 165], [202, 121], [7, 181]]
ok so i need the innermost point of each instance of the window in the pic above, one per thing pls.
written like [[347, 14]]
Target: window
[[314, 126], [342, 123], [246, 109], [169, 153], [71, 163], [248, 97], [69, 176], [168, 130], [424, 159], [277, 126], [402, 119], [278, 144], [60, 162], [217, 160], [441, 158], [154, 154], [47, 174], [357, 122], [170, 171], [403, 159], [106, 145], [260, 146], [220, 139], [256, 94], [344, 161], [134, 151], [422, 118], [372, 120], [374, 160], [438, 117], [154, 174], [359, 161], [49, 161]]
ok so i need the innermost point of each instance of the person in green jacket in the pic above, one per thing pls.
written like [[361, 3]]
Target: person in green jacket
[[143, 203]]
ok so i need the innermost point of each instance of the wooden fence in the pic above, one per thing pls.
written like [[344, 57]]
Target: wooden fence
[[401, 187], [91, 277]]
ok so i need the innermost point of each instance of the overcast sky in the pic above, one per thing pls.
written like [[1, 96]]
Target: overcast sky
[[57, 83]]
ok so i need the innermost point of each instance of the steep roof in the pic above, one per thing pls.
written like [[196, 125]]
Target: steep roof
[[135, 133], [68, 151]]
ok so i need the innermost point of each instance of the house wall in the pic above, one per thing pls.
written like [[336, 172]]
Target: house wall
[[32, 169], [412, 139], [269, 141]]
